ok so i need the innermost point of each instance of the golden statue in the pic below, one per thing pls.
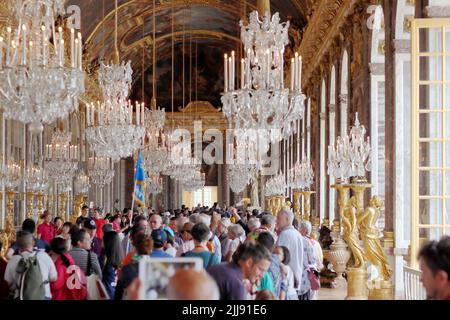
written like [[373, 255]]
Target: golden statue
[[4, 239], [351, 235], [370, 237]]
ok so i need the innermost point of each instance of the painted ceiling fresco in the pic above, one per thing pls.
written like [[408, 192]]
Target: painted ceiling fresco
[[206, 29]]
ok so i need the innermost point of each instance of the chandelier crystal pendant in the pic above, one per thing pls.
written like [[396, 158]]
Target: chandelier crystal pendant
[[155, 152], [153, 183], [301, 176], [38, 83], [262, 102], [10, 175], [100, 170], [81, 183], [35, 179], [276, 185], [196, 182], [245, 166], [350, 157], [61, 158]]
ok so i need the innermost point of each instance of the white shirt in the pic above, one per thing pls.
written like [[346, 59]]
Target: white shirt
[[293, 240], [45, 264], [172, 251], [185, 247]]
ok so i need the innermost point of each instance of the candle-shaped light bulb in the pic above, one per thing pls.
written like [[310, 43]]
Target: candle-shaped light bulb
[[44, 44], [72, 48], [225, 71], [296, 71], [300, 64], [80, 52], [31, 53], [24, 44], [292, 74], [233, 69], [230, 73], [242, 73]]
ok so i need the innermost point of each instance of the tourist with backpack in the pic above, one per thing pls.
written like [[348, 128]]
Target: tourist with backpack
[[30, 272], [71, 283]]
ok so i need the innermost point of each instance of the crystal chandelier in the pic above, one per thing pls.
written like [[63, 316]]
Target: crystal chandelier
[[153, 183], [35, 179], [262, 102], [245, 166], [114, 132], [81, 183], [351, 155], [301, 176], [196, 182], [111, 130], [100, 170], [37, 83], [276, 186], [180, 163], [10, 175], [155, 152], [61, 157]]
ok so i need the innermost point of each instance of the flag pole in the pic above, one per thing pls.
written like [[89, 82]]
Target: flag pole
[[134, 184]]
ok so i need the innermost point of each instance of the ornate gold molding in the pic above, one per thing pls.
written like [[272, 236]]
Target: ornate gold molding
[[324, 25]]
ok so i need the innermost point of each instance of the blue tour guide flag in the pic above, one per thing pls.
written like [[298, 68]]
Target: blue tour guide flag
[[139, 182]]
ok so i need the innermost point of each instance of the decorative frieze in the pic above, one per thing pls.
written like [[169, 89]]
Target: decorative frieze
[[438, 11]]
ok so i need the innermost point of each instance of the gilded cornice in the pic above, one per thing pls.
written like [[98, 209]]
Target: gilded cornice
[[324, 25]]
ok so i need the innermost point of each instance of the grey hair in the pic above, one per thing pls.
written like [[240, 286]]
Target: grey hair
[[289, 214], [181, 221], [306, 225], [194, 218], [237, 230], [254, 223], [268, 219], [204, 218]]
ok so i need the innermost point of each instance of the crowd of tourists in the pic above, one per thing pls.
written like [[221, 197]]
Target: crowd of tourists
[[245, 255]]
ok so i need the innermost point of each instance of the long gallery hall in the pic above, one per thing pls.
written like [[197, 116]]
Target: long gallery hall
[[224, 150]]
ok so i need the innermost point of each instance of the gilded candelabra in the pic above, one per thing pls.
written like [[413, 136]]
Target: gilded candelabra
[[30, 197], [40, 202], [9, 229], [296, 195], [78, 201], [358, 186], [307, 203], [342, 190], [63, 205]]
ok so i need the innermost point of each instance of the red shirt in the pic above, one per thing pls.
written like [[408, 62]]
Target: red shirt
[[99, 224], [47, 231], [116, 226]]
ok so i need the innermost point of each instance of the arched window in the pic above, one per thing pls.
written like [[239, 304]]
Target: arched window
[[322, 150], [377, 112], [332, 136]]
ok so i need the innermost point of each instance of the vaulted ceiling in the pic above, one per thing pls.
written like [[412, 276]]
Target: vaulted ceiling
[[205, 29]]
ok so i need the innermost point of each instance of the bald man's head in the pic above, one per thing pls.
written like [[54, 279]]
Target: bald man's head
[[189, 284]]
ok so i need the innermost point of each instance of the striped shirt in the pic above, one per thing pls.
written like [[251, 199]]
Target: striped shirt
[[80, 256]]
